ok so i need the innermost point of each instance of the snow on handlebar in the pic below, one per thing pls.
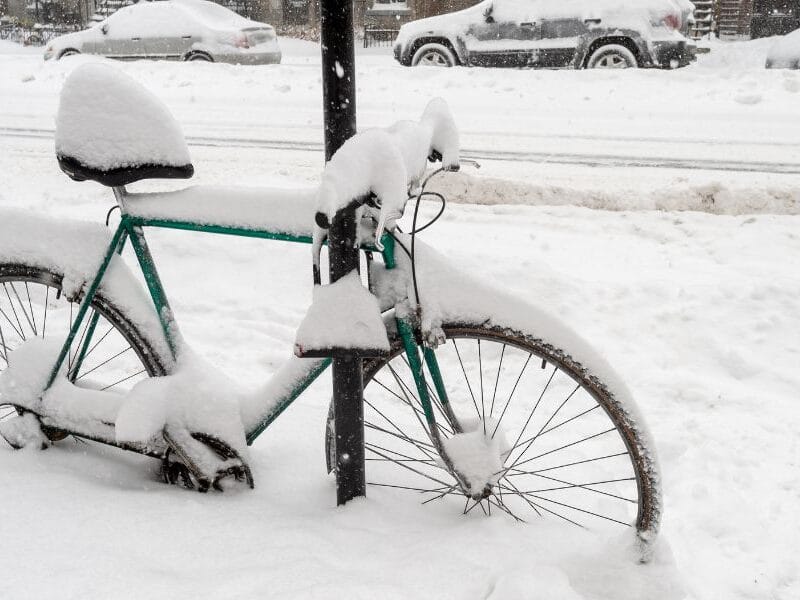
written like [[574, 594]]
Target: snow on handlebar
[[387, 163]]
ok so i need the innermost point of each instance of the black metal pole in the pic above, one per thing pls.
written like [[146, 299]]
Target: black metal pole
[[339, 97]]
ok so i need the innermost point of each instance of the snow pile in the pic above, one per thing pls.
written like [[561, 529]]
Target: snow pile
[[343, 314], [106, 121], [29, 366], [785, 52], [385, 162], [194, 398], [436, 130], [476, 454]]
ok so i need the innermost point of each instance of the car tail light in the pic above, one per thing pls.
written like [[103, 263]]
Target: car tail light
[[672, 21], [241, 40]]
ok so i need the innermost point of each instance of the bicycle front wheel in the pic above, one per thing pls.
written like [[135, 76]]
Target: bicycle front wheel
[[552, 439]]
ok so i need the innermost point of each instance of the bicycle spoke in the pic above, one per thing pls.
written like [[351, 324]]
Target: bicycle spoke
[[3, 345], [571, 444], [46, 300], [588, 512], [480, 373], [74, 355], [431, 393], [464, 371], [534, 438], [587, 411], [499, 504], [105, 362], [450, 490], [405, 487], [30, 305], [22, 309], [406, 401], [394, 425], [409, 393], [124, 379], [497, 380], [416, 443], [514, 389], [570, 464], [405, 466], [97, 343], [406, 457], [13, 310], [547, 510], [569, 485], [524, 498], [10, 322], [530, 416]]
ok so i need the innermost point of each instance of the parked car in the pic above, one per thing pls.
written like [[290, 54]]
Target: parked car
[[553, 33], [785, 52], [174, 30]]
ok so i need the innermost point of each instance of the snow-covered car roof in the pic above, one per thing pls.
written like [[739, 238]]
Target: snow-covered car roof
[[215, 16]]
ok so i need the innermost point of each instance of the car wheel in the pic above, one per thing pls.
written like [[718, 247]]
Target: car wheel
[[433, 55], [68, 52], [200, 56], [612, 56]]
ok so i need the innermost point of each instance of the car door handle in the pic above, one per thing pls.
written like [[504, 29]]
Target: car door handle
[[136, 39], [186, 37], [595, 21], [526, 24]]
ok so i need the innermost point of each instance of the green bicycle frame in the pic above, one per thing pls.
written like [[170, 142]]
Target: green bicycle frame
[[131, 228]]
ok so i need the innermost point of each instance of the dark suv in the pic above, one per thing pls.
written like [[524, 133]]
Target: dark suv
[[553, 34]]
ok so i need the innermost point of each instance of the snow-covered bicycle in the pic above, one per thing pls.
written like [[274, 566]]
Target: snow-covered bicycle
[[471, 396]]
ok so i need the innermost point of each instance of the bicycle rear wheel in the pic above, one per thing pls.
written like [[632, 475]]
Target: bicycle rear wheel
[[549, 436], [33, 305]]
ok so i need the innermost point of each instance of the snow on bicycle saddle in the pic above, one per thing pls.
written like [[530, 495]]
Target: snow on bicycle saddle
[[112, 130]]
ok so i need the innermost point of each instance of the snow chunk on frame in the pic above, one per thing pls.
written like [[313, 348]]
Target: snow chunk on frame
[[385, 162], [343, 314]]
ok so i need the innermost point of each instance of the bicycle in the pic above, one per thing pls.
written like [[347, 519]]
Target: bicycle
[[476, 396]]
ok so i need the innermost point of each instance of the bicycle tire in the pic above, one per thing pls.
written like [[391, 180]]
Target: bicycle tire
[[634, 447]]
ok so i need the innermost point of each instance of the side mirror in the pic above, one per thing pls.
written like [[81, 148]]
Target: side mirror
[[104, 29], [487, 14]]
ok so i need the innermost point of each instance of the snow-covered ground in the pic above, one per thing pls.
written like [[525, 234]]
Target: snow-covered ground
[[698, 312]]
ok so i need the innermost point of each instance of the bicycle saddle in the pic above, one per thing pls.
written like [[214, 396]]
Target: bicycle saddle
[[112, 130]]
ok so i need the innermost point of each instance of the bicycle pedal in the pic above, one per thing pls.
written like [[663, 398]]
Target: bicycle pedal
[[23, 431], [204, 461]]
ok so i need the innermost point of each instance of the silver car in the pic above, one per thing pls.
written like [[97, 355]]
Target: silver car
[[174, 30]]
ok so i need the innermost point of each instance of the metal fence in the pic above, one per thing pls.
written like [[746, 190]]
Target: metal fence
[[35, 35], [375, 37]]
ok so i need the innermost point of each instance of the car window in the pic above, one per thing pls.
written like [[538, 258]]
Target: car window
[[562, 28], [513, 11], [124, 22], [156, 19]]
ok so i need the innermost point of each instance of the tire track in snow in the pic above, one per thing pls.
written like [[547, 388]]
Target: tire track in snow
[[563, 158]]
